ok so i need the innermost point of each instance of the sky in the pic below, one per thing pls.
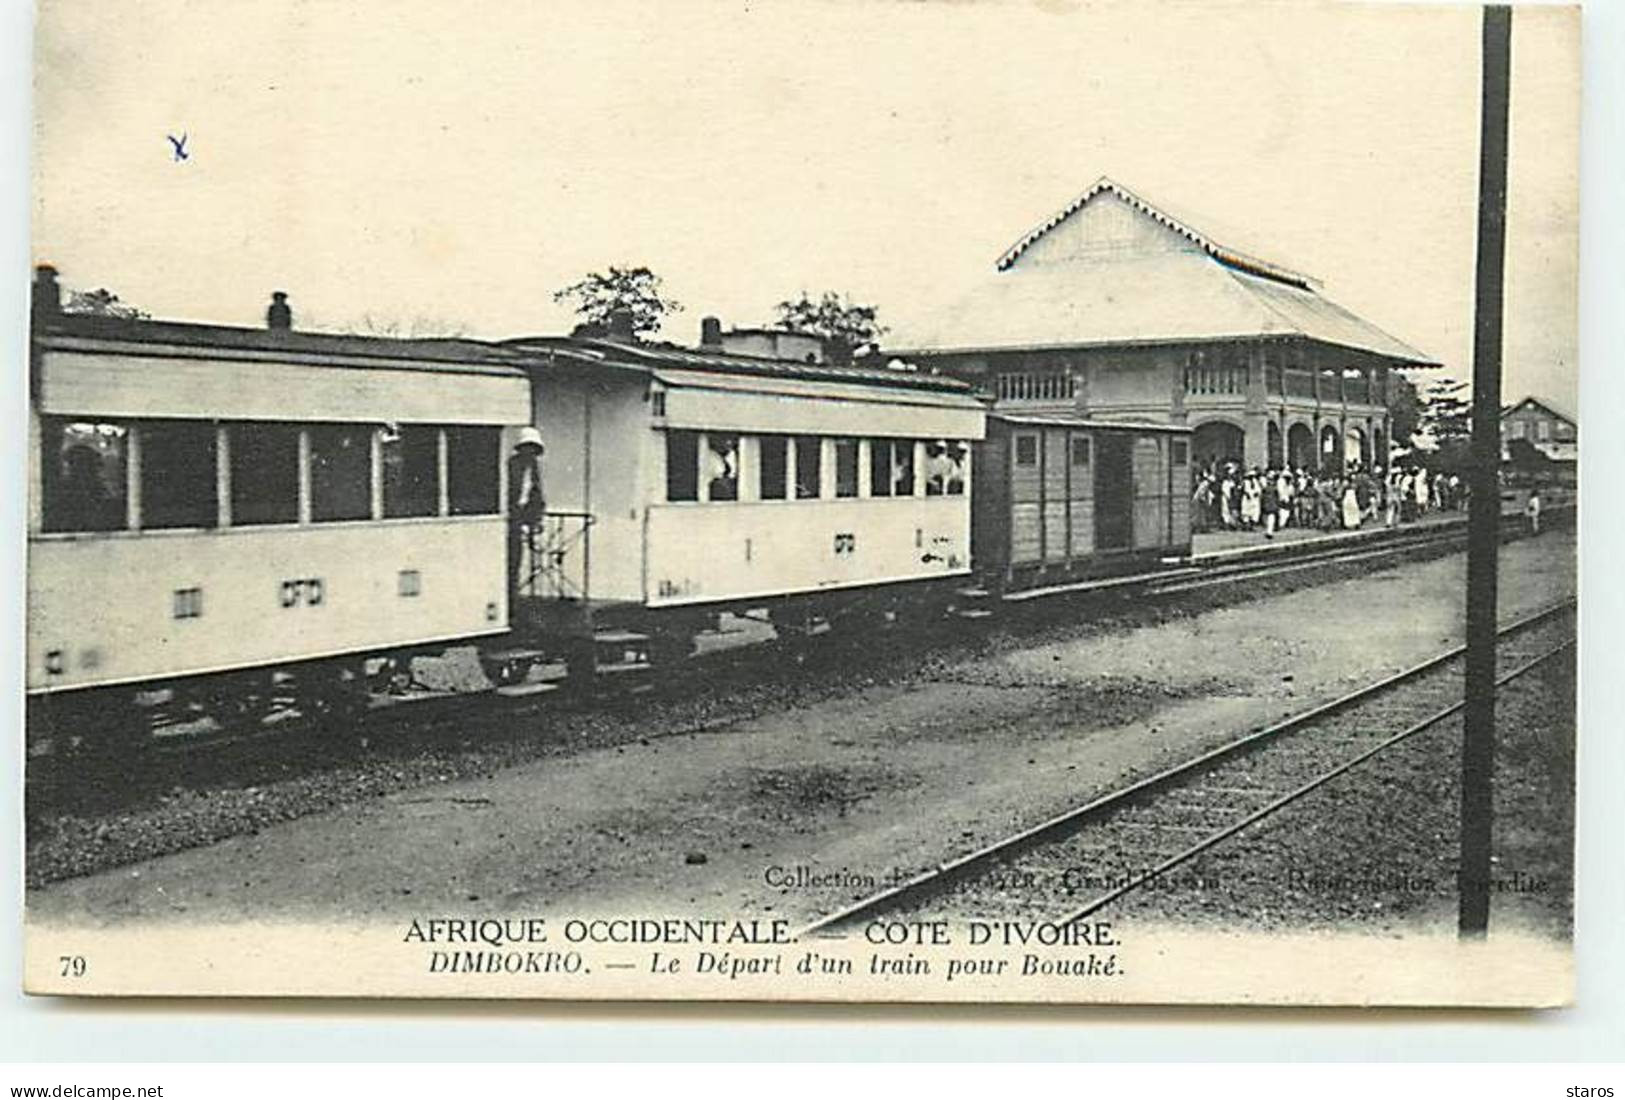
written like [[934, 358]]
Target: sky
[[452, 165]]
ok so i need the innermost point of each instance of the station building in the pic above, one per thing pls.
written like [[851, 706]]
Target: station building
[[1548, 429], [1114, 309]]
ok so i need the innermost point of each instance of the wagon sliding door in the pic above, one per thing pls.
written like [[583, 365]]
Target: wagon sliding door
[[1150, 491], [1026, 497], [1114, 490]]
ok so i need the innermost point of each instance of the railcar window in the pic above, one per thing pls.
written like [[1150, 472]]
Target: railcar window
[[411, 457], [880, 467], [1080, 450], [682, 465], [1181, 452], [83, 471], [721, 466], [902, 467], [945, 466], [178, 484], [340, 472], [958, 454], [809, 466], [264, 474], [1026, 450], [846, 467], [775, 466], [473, 464]]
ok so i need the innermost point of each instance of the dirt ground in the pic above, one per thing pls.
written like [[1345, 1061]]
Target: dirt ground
[[794, 812]]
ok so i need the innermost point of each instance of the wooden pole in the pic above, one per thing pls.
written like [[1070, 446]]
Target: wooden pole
[[1483, 527]]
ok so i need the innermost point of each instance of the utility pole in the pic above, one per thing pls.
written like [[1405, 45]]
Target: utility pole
[[1484, 520]]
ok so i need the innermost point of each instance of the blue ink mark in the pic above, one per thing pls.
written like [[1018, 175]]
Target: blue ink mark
[[180, 146]]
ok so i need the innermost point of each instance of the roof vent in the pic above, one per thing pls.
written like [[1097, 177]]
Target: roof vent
[[47, 292], [279, 316]]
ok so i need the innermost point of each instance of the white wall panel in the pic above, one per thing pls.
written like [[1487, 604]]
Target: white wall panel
[[106, 603], [88, 384]]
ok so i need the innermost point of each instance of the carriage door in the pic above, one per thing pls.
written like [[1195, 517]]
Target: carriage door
[[1114, 490]]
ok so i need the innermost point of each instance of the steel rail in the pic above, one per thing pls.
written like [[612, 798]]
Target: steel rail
[[937, 879], [1294, 795]]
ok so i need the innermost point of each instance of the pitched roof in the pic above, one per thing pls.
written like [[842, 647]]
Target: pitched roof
[[1174, 297], [1161, 215], [1207, 293], [1544, 403]]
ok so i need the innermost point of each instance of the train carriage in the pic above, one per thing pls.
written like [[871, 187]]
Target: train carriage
[[208, 503], [1064, 498], [712, 482]]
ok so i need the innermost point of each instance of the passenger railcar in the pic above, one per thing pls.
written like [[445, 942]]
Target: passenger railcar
[[210, 503], [681, 484]]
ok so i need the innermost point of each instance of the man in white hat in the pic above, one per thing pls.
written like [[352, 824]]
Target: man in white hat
[[526, 504]]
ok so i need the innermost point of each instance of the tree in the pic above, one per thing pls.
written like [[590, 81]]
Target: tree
[[1404, 410], [421, 327], [834, 317], [103, 303], [1445, 412], [636, 290], [1446, 417]]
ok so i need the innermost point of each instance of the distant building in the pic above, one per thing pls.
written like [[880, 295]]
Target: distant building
[[768, 343], [1551, 431], [1115, 309]]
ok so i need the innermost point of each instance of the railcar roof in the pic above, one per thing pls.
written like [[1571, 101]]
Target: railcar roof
[[339, 349], [653, 357], [1056, 421]]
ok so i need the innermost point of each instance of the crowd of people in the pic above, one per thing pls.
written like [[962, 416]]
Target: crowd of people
[[1228, 498]]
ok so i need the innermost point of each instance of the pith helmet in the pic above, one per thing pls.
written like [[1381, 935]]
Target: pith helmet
[[529, 437]]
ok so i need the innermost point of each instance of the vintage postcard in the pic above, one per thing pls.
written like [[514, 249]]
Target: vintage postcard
[[817, 500]]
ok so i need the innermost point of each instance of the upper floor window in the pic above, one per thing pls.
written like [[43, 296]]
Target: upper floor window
[[84, 475], [1036, 386]]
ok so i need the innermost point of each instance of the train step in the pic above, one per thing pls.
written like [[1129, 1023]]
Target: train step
[[974, 613], [973, 593], [619, 637]]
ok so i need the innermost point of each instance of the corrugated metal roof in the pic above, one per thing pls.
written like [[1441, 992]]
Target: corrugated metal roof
[[1179, 296], [656, 356], [1053, 420], [188, 337]]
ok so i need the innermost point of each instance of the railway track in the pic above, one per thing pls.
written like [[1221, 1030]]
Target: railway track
[[437, 709], [1079, 862]]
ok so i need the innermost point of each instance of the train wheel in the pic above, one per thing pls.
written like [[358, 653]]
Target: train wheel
[[581, 663], [105, 724], [504, 672], [668, 650], [391, 675], [238, 703], [335, 694]]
